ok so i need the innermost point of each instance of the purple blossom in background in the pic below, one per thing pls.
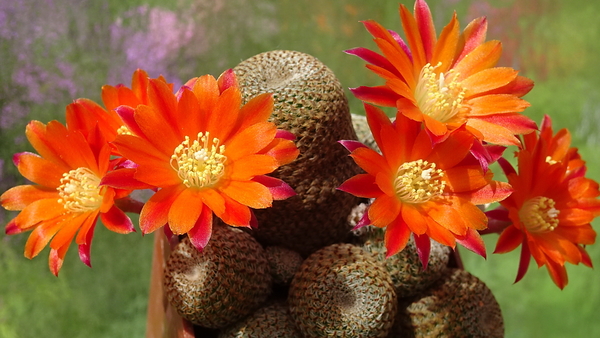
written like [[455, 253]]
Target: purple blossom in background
[[11, 113], [154, 45], [34, 70]]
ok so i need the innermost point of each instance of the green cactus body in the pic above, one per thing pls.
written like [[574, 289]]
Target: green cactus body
[[271, 320], [310, 103], [225, 282], [458, 305], [405, 268], [342, 291]]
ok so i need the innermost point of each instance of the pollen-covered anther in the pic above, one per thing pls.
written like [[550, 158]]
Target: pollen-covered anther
[[199, 163], [439, 96], [550, 160], [123, 130], [419, 181], [539, 214], [79, 190]]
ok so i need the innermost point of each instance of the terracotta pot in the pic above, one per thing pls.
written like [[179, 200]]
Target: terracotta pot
[[163, 321]]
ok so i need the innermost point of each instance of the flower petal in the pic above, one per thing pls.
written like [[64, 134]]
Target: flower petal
[[250, 140], [201, 232], [19, 197], [440, 233], [495, 104], [247, 167], [414, 218], [482, 57], [396, 237], [214, 200], [249, 193], [423, 245], [488, 79], [509, 240], [384, 210], [445, 48], [155, 212], [494, 133], [413, 37], [524, 261], [426, 28], [558, 273], [37, 212], [464, 178], [370, 161], [278, 188], [361, 185], [40, 236], [184, 211], [124, 179], [379, 95], [258, 109], [236, 214], [117, 221], [373, 58], [56, 259], [228, 107], [70, 227], [40, 170], [158, 131], [472, 241]]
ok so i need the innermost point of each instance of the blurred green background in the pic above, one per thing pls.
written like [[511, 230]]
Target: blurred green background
[[53, 51]]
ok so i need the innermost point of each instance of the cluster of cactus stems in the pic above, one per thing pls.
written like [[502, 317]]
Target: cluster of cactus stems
[[317, 282]]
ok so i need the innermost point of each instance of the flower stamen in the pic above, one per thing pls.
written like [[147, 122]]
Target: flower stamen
[[550, 160], [539, 215], [418, 182], [79, 190], [123, 130], [199, 163], [439, 96]]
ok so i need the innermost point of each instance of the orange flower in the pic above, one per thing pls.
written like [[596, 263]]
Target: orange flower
[[206, 154], [66, 198], [446, 81], [550, 211], [420, 188], [85, 114]]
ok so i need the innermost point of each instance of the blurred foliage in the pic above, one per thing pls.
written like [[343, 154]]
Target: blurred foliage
[[55, 51]]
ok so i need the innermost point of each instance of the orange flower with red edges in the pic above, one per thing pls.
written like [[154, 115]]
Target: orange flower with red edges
[[552, 206], [428, 190], [206, 153], [67, 198], [446, 81]]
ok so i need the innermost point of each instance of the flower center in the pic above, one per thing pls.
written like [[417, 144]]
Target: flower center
[[539, 215], [439, 96], [418, 182], [79, 190], [199, 163]]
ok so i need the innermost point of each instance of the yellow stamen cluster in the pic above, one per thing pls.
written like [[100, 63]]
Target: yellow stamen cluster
[[439, 96], [123, 130], [79, 190], [550, 160], [199, 163], [539, 215], [419, 181]]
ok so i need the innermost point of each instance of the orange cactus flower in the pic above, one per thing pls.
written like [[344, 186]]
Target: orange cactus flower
[[206, 153], [85, 114], [66, 199], [446, 81], [428, 190], [550, 210]]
